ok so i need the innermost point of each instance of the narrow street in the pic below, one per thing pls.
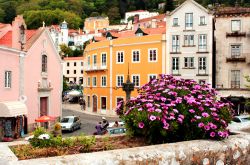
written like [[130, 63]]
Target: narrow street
[[88, 121]]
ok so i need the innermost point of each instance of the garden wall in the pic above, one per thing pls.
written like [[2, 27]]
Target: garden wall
[[234, 150]]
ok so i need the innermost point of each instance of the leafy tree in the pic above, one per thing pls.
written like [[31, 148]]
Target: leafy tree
[[2, 15], [66, 50], [94, 14], [114, 15], [169, 6], [248, 80]]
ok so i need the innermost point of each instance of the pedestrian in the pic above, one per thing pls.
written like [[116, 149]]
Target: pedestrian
[[116, 124], [98, 128], [105, 124], [84, 104], [81, 102]]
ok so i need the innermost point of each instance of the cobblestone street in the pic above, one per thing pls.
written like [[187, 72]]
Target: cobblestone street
[[88, 120]]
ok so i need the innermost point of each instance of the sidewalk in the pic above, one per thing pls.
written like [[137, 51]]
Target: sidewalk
[[77, 107]]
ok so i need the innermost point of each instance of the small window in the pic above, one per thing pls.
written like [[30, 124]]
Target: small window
[[88, 61], [94, 81], [175, 63], [81, 63], [189, 21], [136, 80], [136, 56], [94, 60], [88, 81], [104, 81], [88, 101], [202, 63], [44, 63], [119, 81], [235, 51], [151, 77], [152, 55], [188, 40], [67, 71], [235, 78], [202, 20], [74, 71], [189, 62], [81, 71], [74, 63], [7, 78], [175, 22], [67, 63], [119, 57], [104, 59], [235, 25], [103, 103]]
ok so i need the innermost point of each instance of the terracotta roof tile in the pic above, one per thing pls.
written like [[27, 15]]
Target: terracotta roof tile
[[6, 40], [158, 17]]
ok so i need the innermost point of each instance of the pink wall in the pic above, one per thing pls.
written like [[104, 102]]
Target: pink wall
[[9, 62], [33, 76]]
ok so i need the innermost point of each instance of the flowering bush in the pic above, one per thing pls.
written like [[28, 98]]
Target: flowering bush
[[173, 109]]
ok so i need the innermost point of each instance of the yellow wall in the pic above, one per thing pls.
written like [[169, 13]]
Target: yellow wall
[[94, 24], [127, 45]]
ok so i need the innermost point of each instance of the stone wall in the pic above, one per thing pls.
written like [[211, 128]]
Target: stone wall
[[234, 150]]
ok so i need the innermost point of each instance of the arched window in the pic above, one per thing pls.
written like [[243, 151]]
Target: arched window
[[44, 63]]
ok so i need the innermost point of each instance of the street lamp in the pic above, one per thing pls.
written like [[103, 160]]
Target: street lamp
[[128, 87]]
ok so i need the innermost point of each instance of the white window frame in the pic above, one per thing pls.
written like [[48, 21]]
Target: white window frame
[[133, 75], [233, 50], [175, 22], [150, 75], [88, 81], [189, 21], [236, 25], [175, 63], [202, 46], [88, 61], [101, 102], [117, 57], [202, 63], [202, 20], [119, 84], [175, 43], [104, 53], [189, 62], [236, 79], [88, 101], [94, 84], [94, 57], [7, 79], [137, 56], [149, 54], [188, 40], [102, 85]]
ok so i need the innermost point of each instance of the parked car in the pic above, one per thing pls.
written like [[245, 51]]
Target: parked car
[[70, 123], [116, 130], [121, 124], [239, 123]]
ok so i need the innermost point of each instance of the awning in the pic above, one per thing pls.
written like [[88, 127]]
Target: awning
[[12, 109]]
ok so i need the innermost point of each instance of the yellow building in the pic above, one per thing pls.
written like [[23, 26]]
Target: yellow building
[[106, 66], [96, 23]]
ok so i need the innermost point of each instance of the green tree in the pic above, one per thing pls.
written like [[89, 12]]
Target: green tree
[[114, 15], [2, 15], [66, 50], [169, 6]]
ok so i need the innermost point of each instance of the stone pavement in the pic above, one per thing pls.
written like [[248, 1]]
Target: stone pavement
[[77, 107]]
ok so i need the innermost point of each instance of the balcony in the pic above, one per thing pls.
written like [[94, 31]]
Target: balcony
[[236, 59], [202, 71], [236, 34], [94, 67]]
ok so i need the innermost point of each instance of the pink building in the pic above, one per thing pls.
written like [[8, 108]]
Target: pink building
[[30, 77]]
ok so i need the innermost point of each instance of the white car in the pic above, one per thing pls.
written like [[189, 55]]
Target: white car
[[70, 123], [121, 124], [239, 123]]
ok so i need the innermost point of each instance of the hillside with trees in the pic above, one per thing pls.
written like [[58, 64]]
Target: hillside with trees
[[75, 11]]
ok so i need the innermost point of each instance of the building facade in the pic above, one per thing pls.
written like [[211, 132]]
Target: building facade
[[31, 71], [140, 13], [73, 70], [106, 65], [189, 42], [233, 54], [95, 23]]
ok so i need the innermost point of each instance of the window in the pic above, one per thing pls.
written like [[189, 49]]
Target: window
[[104, 81], [202, 63], [67, 63], [88, 101], [119, 57], [74, 63], [175, 22], [81, 71], [135, 56], [81, 63], [7, 79], [136, 80], [151, 77], [176, 43], [188, 40], [104, 59], [119, 81], [74, 71], [44, 63], [88, 84], [88, 61], [202, 42], [94, 60], [235, 78], [202, 20], [152, 55], [175, 63], [118, 99], [94, 81], [189, 20], [235, 25], [103, 103], [67, 71], [235, 51], [188, 62]]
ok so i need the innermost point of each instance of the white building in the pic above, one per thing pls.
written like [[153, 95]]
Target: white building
[[73, 70], [232, 29], [141, 13], [189, 42]]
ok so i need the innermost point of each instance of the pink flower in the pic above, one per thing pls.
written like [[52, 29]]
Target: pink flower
[[212, 134], [140, 109], [206, 127], [191, 111], [175, 111], [220, 133], [149, 105], [141, 125], [204, 114], [181, 116], [166, 126], [180, 120], [152, 117], [158, 110], [200, 125], [163, 99]]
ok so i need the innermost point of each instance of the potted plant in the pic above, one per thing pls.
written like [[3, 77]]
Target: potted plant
[[57, 130]]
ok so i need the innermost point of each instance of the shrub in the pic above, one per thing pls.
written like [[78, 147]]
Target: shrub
[[172, 109]]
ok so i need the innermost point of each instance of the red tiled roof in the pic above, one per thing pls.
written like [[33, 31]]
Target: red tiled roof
[[6, 40], [3, 25], [157, 17], [73, 58], [232, 11]]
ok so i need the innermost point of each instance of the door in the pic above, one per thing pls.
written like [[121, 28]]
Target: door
[[94, 103], [43, 106]]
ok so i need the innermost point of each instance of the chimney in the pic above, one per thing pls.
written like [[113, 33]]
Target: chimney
[[136, 18], [153, 23], [18, 33]]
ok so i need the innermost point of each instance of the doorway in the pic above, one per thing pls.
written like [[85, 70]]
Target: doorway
[[94, 103]]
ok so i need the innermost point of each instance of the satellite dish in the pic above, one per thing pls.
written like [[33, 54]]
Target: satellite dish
[[23, 98]]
